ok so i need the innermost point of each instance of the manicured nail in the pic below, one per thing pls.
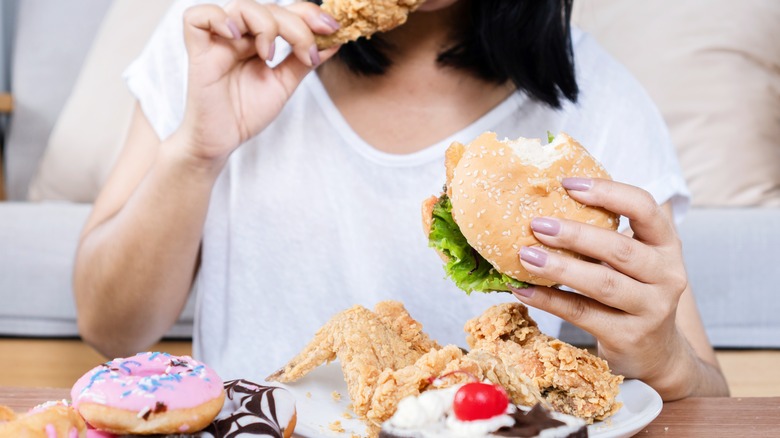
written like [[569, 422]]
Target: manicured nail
[[315, 56], [271, 51], [534, 256], [578, 184], [524, 292], [330, 22], [546, 225], [233, 29]]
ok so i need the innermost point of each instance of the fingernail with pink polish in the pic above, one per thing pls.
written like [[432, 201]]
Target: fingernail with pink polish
[[534, 256], [524, 292], [546, 226], [330, 22], [577, 184], [271, 51], [315, 56], [233, 29]]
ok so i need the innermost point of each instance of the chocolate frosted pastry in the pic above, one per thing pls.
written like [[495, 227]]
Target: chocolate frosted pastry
[[252, 409], [476, 410]]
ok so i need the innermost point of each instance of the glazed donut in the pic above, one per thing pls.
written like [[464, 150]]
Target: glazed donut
[[48, 420], [149, 393], [252, 409]]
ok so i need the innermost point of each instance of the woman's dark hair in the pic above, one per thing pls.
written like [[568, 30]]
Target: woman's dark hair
[[525, 41]]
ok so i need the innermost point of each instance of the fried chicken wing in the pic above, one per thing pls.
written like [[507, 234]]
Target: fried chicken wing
[[364, 18], [394, 315], [366, 343]]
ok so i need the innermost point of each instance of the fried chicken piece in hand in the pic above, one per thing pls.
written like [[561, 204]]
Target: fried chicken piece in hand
[[570, 379], [366, 343], [364, 18]]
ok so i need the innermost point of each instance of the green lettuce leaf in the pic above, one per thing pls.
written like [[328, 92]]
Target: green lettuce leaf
[[469, 270]]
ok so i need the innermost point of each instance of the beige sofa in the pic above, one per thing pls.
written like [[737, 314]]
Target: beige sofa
[[700, 61]]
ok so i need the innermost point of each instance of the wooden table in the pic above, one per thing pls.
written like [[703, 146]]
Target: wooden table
[[693, 417]]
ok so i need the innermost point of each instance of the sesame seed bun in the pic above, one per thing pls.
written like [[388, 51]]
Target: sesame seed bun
[[497, 188]]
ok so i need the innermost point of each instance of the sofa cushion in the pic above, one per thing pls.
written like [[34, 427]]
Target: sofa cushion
[[91, 128], [50, 42], [731, 255], [713, 68], [37, 246]]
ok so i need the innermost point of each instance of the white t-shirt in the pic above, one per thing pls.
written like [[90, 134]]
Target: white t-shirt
[[307, 219]]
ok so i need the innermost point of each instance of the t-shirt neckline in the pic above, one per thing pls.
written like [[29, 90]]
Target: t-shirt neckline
[[433, 152]]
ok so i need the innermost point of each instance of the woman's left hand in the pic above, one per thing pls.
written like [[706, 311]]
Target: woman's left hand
[[628, 298]]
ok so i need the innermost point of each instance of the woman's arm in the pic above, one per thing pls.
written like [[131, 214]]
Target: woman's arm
[[638, 302], [139, 249]]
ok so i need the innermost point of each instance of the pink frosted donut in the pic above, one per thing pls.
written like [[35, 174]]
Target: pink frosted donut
[[149, 393]]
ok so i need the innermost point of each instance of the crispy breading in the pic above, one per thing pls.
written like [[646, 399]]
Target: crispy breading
[[364, 345], [571, 380], [385, 356], [364, 18], [393, 385], [520, 388], [394, 315]]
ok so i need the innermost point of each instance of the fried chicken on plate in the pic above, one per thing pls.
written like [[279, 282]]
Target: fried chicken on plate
[[385, 356]]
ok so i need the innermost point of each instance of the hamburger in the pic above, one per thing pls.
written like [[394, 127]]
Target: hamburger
[[494, 188]]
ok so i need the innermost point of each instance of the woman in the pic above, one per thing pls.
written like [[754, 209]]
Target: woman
[[287, 195]]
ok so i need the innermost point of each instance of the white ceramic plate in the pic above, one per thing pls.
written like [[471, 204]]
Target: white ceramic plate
[[321, 399]]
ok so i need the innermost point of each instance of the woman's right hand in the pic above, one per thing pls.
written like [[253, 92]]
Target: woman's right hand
[[232, 94]]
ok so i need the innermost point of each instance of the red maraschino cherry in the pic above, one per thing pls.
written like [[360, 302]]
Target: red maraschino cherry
[[479, 401]]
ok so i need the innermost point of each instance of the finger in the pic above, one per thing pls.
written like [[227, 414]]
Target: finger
[[202, 22], [318, 21], [297, 33], [579, 310], [255, 22], [596, 281], [623, 253], [291, 71], [648, 220], [266, 22]]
